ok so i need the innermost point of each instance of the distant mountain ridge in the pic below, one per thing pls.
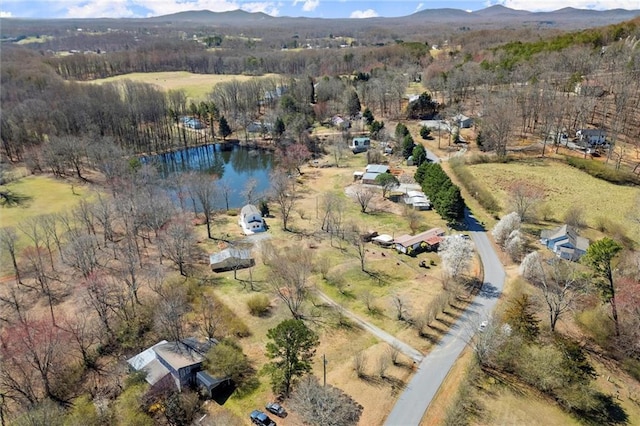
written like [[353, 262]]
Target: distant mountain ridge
[[493, 15], [496, 11]]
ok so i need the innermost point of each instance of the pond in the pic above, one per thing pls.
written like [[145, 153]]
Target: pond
[[234, 166]]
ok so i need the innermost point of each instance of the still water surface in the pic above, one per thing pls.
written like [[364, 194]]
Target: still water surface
[[233, 165]]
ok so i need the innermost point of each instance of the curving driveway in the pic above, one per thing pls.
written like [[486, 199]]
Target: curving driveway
[[419, 392]]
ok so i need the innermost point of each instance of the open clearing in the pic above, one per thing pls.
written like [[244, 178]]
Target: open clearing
[[565, 187], [389, 274], [196, 86]]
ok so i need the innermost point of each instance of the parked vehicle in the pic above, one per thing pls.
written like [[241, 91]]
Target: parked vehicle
[[277, 409], [261, 419]]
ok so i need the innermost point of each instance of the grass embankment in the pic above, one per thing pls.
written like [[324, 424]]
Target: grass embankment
[[196, 86]]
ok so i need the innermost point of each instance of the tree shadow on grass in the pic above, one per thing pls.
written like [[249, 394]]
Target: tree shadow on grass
[[606, 411], [381, 278], [381, 381]]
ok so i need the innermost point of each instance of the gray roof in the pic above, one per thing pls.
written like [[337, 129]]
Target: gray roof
[[229, 253], [370, 176], [249, 209], [377, 168], [568, 232]]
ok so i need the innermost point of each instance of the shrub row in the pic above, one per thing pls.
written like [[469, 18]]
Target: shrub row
[[477, 190], [602, 171]]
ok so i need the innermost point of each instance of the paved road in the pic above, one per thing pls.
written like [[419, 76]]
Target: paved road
[[412, 353], [417, 396]]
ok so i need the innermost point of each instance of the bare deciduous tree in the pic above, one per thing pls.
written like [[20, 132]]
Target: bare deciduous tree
[[324, 405], [178, 241], [284, 191], [82, 254], [291, 268], [524, 198], [203, 189], [169, 312], [559, 281], [360, 363], [8, 241], [400, 305], [363, 195], [358, 243]]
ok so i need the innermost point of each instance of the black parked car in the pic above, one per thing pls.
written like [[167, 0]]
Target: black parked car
[[261, 419]]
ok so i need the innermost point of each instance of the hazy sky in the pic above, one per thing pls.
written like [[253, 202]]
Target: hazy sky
[[309, 8]]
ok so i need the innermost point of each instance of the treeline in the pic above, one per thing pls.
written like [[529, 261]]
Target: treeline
[[596, 38], [247, 58], [513, 350], [444, 195], [38, 105]]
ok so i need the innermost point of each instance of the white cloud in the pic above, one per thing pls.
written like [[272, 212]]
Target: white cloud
[[166, 7], [359, 14], [264, 7], [308, 5], [549, 5], [419, 6], [4, 14], [100, 9]]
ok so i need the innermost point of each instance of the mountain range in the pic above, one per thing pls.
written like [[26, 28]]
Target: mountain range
[[493, 15]]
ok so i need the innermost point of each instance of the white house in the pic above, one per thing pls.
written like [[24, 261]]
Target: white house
[[592, 136], [251, 220]]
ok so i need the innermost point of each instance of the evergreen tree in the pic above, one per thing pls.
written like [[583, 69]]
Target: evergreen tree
[[401, 131], [278, 128], [367, 115], [425, 132], [375, 128], [291, 349], [480, 140], [353, 103], [520, 315], [223, 126], [419, 155], [407, 146]]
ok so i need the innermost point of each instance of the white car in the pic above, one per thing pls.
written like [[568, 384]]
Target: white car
[[483, 325]]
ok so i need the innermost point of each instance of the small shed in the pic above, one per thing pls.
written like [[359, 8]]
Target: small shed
[[230, 259], [383, 240]]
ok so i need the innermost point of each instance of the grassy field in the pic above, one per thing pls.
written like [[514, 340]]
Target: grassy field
[[565, 187], [196, 86], [46, 196]]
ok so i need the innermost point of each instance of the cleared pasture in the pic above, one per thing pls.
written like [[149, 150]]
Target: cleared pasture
[[564, 187], [196, 86]]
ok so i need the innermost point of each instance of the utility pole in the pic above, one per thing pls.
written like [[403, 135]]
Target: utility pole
[[324, 370]]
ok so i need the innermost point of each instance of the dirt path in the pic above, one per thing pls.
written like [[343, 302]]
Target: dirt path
[[412, 353]]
